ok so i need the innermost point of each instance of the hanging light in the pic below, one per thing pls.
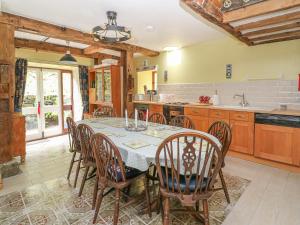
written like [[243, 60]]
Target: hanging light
[[111, 32], [68, 59]]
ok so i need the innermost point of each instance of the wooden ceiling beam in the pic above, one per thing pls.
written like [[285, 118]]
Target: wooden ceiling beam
[[278, 40], [92, 49], [213, 18], [272, 29], [54, 31], [276, 36], [49, 47], [262, 8], [270, 21]]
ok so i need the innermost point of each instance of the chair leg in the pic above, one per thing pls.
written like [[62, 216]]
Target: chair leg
[[117, 206], [166, 206], [71, 165], [95, 192], [148, 196], [224, 186], [98, 204], [77, 170], [83, 180], [205, 212]]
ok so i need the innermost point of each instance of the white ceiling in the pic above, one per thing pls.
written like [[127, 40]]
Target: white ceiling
[[173, 26]]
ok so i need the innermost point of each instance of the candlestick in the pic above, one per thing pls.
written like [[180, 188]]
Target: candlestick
[[126, 118], [147, 118], [135, 117]]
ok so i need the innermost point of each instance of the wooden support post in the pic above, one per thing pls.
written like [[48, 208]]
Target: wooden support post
[[7, 90]]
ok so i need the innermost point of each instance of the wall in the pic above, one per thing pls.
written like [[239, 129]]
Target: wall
[[206, 61], [144, 78]]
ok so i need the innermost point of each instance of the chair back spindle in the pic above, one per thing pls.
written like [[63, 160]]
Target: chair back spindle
[[85, 133], [182, 121], [157, 118]]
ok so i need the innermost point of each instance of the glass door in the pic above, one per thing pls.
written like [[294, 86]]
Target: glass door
[[67, 98], [31, 105], [51, 102]]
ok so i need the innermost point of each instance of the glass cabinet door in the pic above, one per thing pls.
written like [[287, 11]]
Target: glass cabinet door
[[99, 86], [107, 85]]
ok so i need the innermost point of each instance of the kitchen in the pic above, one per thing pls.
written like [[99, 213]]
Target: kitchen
[[229, 65]]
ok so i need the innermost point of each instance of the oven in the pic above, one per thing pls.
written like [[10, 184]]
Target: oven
[[171, 110]]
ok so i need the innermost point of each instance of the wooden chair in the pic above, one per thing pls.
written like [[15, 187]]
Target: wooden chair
[[222, 131], [141, 115], [182, 121], [104, 111], [157, 118], [112, 172], [184, 166], [85, 133], [74, 147]]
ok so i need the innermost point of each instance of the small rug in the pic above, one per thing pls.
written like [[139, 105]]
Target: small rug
[[56, 202]]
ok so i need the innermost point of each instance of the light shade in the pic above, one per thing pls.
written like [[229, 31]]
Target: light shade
[[68, 59]]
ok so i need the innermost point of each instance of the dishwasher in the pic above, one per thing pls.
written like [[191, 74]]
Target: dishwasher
[[277, 138]]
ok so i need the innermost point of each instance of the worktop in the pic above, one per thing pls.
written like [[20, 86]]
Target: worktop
[[231, 108]]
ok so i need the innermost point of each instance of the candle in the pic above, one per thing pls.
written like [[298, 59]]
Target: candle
[[126, 118], [147, 118], [135, 117]]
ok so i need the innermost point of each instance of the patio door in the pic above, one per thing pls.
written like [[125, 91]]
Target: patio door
[[46, 103]]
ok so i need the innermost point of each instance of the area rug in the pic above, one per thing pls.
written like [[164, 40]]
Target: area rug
[[56, 202]]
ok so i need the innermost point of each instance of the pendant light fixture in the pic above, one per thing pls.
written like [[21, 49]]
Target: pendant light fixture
[[111, 32], [68, 59]]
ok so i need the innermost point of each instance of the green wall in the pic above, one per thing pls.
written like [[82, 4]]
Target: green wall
[[47, 57], [206, 61]]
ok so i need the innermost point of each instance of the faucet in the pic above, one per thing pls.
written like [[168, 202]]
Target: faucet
[[243, 102]]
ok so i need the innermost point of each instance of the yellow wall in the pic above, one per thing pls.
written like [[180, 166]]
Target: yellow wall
[[48, 57], [206, 61], [144, 78]]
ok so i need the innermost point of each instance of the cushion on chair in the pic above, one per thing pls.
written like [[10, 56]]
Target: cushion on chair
[[182, 182], [129, 172]]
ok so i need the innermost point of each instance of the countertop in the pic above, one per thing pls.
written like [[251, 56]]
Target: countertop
[[233, 108]]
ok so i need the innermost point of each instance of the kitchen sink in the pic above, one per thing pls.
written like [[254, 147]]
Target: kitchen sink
[[241, 107]]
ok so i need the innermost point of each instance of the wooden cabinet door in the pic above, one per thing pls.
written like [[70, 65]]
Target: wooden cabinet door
[[153, 108], [275, 143], [242, 136], [296, 147], [201, 123], [212, 120]]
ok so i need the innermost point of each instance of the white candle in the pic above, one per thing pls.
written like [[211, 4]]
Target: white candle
[[135, 117], [126, 118], [147, 118]]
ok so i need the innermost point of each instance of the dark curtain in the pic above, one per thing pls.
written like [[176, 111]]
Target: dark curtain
[[84, 87], [21, 73]]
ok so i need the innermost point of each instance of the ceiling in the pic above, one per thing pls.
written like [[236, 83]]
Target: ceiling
[[171, 24]]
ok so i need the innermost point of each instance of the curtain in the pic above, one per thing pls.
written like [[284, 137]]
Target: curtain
[[21, 73], [84, 87]]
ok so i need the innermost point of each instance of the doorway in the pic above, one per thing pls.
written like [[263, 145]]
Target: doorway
[[48, 101]]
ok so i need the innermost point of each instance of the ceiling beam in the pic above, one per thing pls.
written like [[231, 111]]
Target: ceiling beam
[[272, 29], [216, 19], [276, 36], [92, 49], [54, 31], [259, 9], [278, 40], [270, 21], [48, 47]]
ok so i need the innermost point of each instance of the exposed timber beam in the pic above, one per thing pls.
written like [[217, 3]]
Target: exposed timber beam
[[92, 49], [48, 47], [276, 36], [262, 8], [278, 40], [54, 31], [270, 21], [213, 17], [272, 29]]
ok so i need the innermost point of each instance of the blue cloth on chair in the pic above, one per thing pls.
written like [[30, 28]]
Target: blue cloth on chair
[[129, 172]]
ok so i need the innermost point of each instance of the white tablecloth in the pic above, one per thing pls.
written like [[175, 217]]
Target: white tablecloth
[[139, 158]]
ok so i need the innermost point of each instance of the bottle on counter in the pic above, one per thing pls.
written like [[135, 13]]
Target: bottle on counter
[[215, 99]]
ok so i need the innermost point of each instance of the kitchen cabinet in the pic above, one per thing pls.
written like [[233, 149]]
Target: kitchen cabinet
[[155, 108], [199, 116], [105, 88], [277, 143]]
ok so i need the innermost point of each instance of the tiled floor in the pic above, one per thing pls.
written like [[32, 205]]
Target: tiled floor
[[272, 196]]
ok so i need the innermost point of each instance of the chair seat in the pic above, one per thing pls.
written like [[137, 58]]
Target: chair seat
[[182, 182], [129, 173]]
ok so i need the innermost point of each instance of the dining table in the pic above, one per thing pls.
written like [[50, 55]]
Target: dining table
[[138, 149]]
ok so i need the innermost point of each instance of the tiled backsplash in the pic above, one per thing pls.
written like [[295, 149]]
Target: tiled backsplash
[[260, 93]]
